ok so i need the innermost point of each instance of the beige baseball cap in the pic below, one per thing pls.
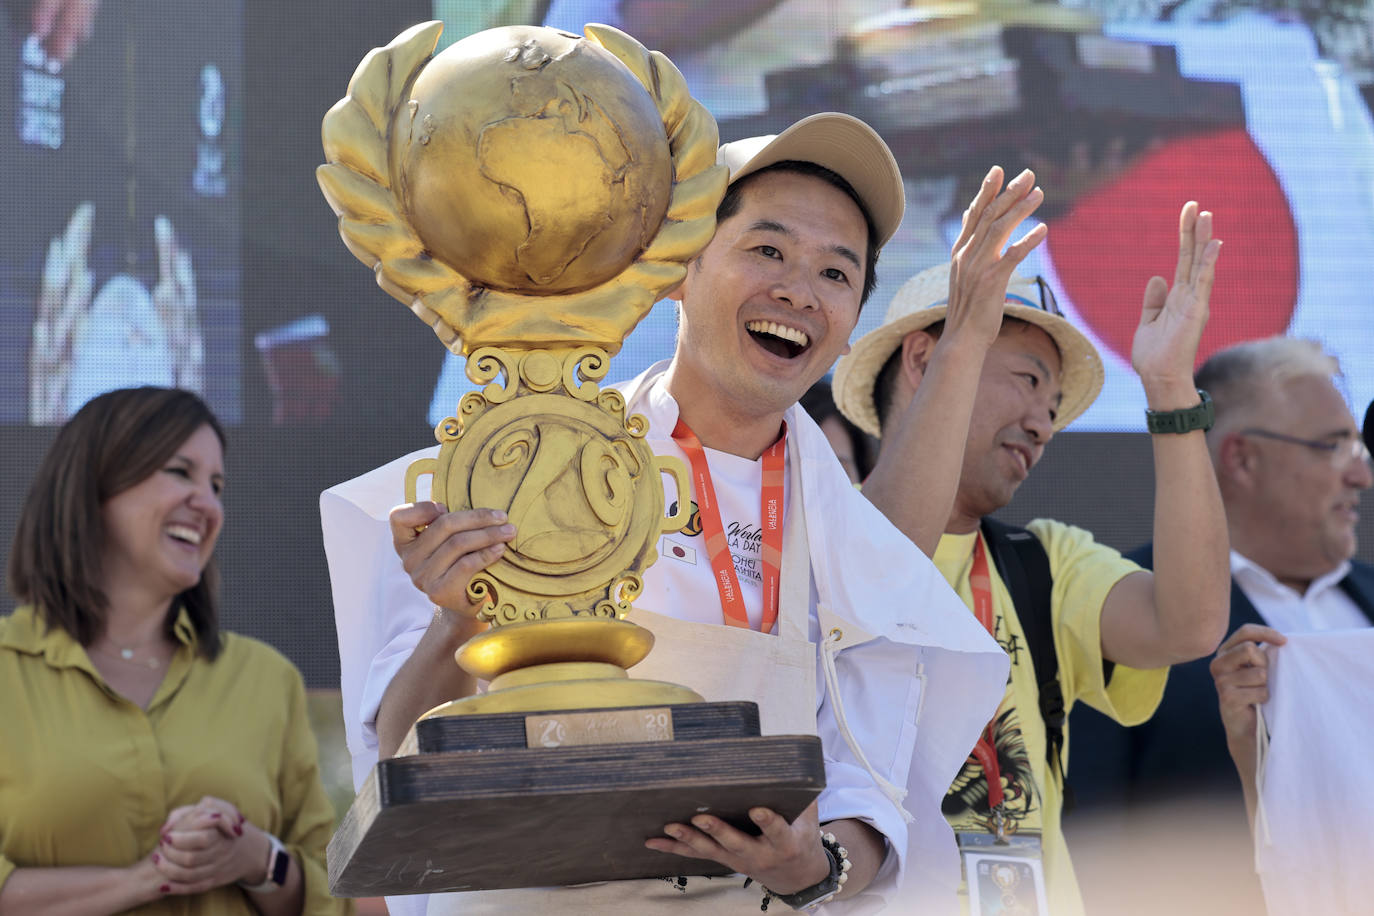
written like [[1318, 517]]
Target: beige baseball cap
[[922, 301], [841, 143]]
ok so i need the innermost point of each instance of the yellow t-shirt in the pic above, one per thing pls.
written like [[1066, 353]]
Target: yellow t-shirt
[[1084, 572], [87, 777]]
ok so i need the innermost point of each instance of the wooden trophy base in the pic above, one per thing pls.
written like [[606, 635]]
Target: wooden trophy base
[[481, 802]]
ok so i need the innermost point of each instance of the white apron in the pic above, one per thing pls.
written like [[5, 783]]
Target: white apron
[[721, 663]]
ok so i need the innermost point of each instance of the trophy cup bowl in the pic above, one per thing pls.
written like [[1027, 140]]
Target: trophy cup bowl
[[530, 194]]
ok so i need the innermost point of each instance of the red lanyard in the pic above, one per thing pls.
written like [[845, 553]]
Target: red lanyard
[[722, 564], [980, 583]]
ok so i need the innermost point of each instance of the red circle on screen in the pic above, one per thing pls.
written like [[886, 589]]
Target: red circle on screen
[[1106, 248]]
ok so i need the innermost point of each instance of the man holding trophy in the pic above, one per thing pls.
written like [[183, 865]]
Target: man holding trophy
[[780, 584]]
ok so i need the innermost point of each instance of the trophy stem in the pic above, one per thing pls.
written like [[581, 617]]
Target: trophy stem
[[568, 663]]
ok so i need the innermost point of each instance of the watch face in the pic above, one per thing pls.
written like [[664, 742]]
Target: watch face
[[281, 864]]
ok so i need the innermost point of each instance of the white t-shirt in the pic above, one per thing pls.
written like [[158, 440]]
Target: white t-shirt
[[684, 566]]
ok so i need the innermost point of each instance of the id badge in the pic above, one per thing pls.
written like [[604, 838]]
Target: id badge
[[1005, 878]]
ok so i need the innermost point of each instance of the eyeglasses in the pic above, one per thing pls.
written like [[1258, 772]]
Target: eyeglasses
[[1047, 301], [1341, 452]]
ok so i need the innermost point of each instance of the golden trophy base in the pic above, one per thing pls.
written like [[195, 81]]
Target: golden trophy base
[[531, 799], [584, 693], [573, 663], [560, 771]]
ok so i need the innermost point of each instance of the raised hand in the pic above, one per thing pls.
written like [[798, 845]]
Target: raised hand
[[1172, 318], [979, 268], [441, 551], [944, 374]]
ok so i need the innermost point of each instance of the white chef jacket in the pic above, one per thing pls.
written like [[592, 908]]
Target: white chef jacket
[[901, 623]]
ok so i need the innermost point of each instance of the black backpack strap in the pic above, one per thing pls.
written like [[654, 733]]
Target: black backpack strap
[[1024, 565]]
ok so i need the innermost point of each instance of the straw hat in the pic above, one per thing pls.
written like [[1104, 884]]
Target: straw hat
[[841, 143], [920, 303]]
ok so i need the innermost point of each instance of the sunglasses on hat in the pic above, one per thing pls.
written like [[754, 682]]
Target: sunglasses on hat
[[1047, 303]]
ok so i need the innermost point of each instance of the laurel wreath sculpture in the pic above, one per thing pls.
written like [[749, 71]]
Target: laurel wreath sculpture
[[359, 178]]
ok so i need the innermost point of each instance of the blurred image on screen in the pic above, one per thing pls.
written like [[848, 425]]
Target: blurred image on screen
[[119, 256]]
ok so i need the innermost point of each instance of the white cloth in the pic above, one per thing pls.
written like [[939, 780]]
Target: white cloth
[[1324, 606], [898, 618], [1313, 839]]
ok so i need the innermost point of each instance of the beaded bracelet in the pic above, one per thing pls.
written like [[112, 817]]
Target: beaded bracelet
[[823, 890]]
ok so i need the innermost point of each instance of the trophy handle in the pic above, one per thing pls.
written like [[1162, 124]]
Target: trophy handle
[[674, 468], [417, 470]]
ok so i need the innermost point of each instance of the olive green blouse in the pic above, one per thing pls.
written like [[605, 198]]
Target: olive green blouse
[[87, 777]]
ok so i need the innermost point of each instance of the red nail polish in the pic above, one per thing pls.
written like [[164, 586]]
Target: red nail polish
[[166, 888], [238, 830], [156, 858], [214, 815]]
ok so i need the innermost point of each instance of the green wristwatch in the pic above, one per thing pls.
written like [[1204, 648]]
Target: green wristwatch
[[1183, 420]]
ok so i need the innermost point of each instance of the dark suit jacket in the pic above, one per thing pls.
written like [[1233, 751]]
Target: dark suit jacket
[[1181, 750]]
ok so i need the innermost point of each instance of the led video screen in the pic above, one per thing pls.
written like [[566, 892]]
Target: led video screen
[[1124, 111], [119, 253]]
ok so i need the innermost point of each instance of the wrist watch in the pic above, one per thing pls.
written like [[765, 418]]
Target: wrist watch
[[1183, 420], [278, 864], [824, 890], [818, 893]]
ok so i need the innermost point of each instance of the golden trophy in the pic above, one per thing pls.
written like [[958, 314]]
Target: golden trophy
[[530, 194]]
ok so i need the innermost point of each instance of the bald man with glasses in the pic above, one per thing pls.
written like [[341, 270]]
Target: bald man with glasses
[[1291, 465]]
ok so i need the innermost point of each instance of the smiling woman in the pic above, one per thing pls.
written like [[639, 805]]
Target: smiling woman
[[151, 761]]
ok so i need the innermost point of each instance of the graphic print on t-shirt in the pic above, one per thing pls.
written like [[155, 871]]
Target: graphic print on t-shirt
[[686, 567], [744, 539], [745, 549], [677, 545], [693, 526], [966, 803]]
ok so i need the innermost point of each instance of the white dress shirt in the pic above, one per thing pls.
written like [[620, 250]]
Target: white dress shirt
[[1324, 606]]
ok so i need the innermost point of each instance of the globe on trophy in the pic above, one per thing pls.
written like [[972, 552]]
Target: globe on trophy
[[530, 193]]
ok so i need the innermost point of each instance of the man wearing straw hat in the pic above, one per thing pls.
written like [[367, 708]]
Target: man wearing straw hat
[[984, 391]]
